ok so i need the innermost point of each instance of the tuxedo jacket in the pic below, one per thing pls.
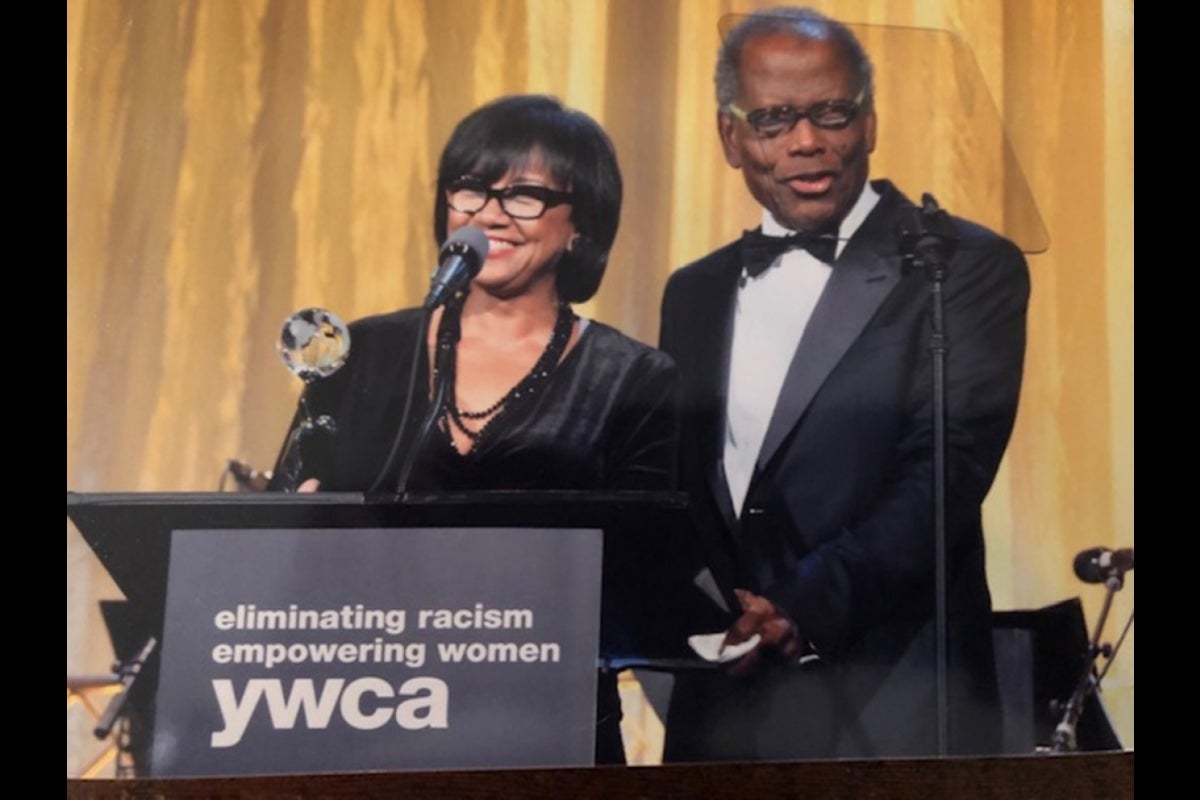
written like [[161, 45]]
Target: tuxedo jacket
[[837, 527]]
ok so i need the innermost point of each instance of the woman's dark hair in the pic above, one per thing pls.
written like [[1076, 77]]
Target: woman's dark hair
[[505, 135]]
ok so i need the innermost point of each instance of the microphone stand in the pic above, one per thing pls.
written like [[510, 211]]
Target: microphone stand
[[447, 338], [1064, 734], [406, 468], [440, 387], [928, 241], [127, 673]]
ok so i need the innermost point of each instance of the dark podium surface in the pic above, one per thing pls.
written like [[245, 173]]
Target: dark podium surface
[[648, 556], [130, 532], [1083, 776]]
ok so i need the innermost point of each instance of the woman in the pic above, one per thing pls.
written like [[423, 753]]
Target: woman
[[537, 397]]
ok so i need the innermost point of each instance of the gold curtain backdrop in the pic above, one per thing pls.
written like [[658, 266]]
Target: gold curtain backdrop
[[231, 161]]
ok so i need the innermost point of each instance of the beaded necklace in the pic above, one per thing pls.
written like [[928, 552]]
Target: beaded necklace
[[449, 332]]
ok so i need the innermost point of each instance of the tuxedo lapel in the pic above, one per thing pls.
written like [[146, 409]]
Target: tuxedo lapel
[[866, 272]]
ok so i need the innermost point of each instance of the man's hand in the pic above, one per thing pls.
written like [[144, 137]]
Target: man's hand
[[776, 632], [309, 486]]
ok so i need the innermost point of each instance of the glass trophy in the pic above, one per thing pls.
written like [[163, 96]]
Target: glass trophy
[[313, 344]]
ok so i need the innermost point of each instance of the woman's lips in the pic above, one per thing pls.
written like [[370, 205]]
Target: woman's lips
[[499, 247]]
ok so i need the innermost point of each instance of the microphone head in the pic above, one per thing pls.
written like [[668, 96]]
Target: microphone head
[[469, 242], [1098, 564], [1087, 565], [459, 261]]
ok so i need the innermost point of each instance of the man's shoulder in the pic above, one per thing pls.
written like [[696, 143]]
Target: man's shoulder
[[716, 261], [985, 263], [974, 236], [717, 264], [970, 235]]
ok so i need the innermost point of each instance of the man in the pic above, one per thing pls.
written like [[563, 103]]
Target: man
[[808, 440]]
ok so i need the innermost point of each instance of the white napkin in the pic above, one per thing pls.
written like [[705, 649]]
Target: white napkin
[[708, 647]]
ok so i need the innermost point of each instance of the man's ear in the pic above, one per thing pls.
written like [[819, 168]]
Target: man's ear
[[733, 155], [869, 133]]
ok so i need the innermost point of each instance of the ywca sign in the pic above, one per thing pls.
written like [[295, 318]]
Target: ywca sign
[[427, 705], [345, 650]]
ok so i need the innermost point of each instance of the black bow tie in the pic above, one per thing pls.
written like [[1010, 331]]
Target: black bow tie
[[759, 251]]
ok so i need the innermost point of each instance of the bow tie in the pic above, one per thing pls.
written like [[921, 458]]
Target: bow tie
[[759, 251]]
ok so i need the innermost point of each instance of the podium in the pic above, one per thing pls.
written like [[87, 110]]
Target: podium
[[334, 632], [131, 535]]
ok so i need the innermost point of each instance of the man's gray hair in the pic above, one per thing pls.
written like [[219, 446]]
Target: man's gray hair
[[804, 23]]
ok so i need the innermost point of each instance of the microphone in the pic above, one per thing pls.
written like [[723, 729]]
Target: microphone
[[459, 261], [247, 478], [1099, 564]]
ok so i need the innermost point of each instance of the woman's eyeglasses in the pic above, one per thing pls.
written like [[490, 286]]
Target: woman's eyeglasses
[[519, 201]]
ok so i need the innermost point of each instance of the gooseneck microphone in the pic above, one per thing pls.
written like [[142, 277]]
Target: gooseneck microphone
[[459, 261], [1094, 565], [1098, 564]]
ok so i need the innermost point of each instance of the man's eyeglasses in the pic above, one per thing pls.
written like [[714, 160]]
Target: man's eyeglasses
[[772, 121], [519, 201]]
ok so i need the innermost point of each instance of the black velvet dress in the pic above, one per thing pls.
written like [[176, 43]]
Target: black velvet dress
[[606, 419]]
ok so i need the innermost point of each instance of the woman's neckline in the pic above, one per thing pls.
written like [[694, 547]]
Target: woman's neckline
[[480, 446]]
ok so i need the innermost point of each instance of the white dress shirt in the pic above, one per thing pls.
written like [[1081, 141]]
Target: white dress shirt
[[771, 314]]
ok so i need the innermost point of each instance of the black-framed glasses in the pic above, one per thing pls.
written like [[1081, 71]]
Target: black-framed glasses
[[519, 201], [772, 121]]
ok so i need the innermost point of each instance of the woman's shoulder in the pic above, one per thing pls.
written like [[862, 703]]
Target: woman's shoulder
[[385, 330], [387, 323], [618, 349], [376, 342]]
